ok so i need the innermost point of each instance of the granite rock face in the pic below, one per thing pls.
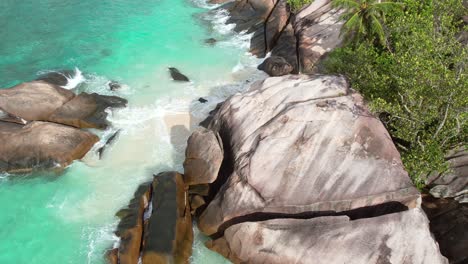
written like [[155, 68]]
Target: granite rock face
[[303, 146], [302, 38], [87, 111], [453, 183], [156, 227], [317, 28], [204, 155], [41, 145], [394, 238], [39, 124], [33, 101]]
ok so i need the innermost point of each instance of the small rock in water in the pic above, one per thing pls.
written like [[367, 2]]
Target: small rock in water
[[210, 41], [113, 85], [106, 52], [108, 142], [202, 100], [177, 76]]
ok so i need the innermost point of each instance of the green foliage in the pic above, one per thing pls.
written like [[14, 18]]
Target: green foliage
[[419, 86], [296, 5], [364, 19]]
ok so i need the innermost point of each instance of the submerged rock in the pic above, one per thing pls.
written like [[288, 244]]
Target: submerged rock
[[393, 238], [157, 224], [202, 100], [311, 148], [41, 145], [276, 66], [177, 76], [210, 41], [87, 110]]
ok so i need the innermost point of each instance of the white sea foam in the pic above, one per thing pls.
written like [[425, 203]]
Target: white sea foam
[[75, 80]]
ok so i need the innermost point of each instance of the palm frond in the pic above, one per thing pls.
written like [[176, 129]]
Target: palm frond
[[378, 30], [348, 4]]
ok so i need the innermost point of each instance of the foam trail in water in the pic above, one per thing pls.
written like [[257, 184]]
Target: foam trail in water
[[75, 80]]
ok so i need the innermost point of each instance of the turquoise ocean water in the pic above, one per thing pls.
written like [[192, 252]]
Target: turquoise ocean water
[[69, 218]]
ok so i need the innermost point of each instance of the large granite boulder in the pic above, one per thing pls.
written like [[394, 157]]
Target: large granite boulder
[[86, 110], [248, 15], [449, 224], [317, 28], [41, 145], [394, 238], [33, 101], [156, 227], [454, 182], [303, 146], [203, 157], [286, 47], [42, 101]]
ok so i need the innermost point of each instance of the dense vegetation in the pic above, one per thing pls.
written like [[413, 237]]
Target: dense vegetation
[[412, 70]]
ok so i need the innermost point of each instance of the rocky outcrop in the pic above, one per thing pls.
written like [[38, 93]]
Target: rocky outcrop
[[449, 224], [86, 111], [317, 29], [302, 38], [327, 153], [204, 155], [41, 145], [38, 122], [394, 238], [454, 182], [304, 163], [157, 226], [33, 101], [42, 101]]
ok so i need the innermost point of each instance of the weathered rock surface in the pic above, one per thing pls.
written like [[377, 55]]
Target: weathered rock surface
[[169, 237], [248, 15], [449, 224], [41, 145], [130, 228], [317, 28], [42, 101], [303, 146], [276, 66], [33, 101], [57, 77], [305, 37], [203, 157], [157, 224], [394, 238], [86, 110], [454, 183]]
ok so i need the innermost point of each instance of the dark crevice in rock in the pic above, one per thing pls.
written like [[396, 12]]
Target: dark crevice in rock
[[227, 166], [265, 25], [354, 214]]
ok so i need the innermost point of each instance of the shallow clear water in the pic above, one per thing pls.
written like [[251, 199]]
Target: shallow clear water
[[69, 218]]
